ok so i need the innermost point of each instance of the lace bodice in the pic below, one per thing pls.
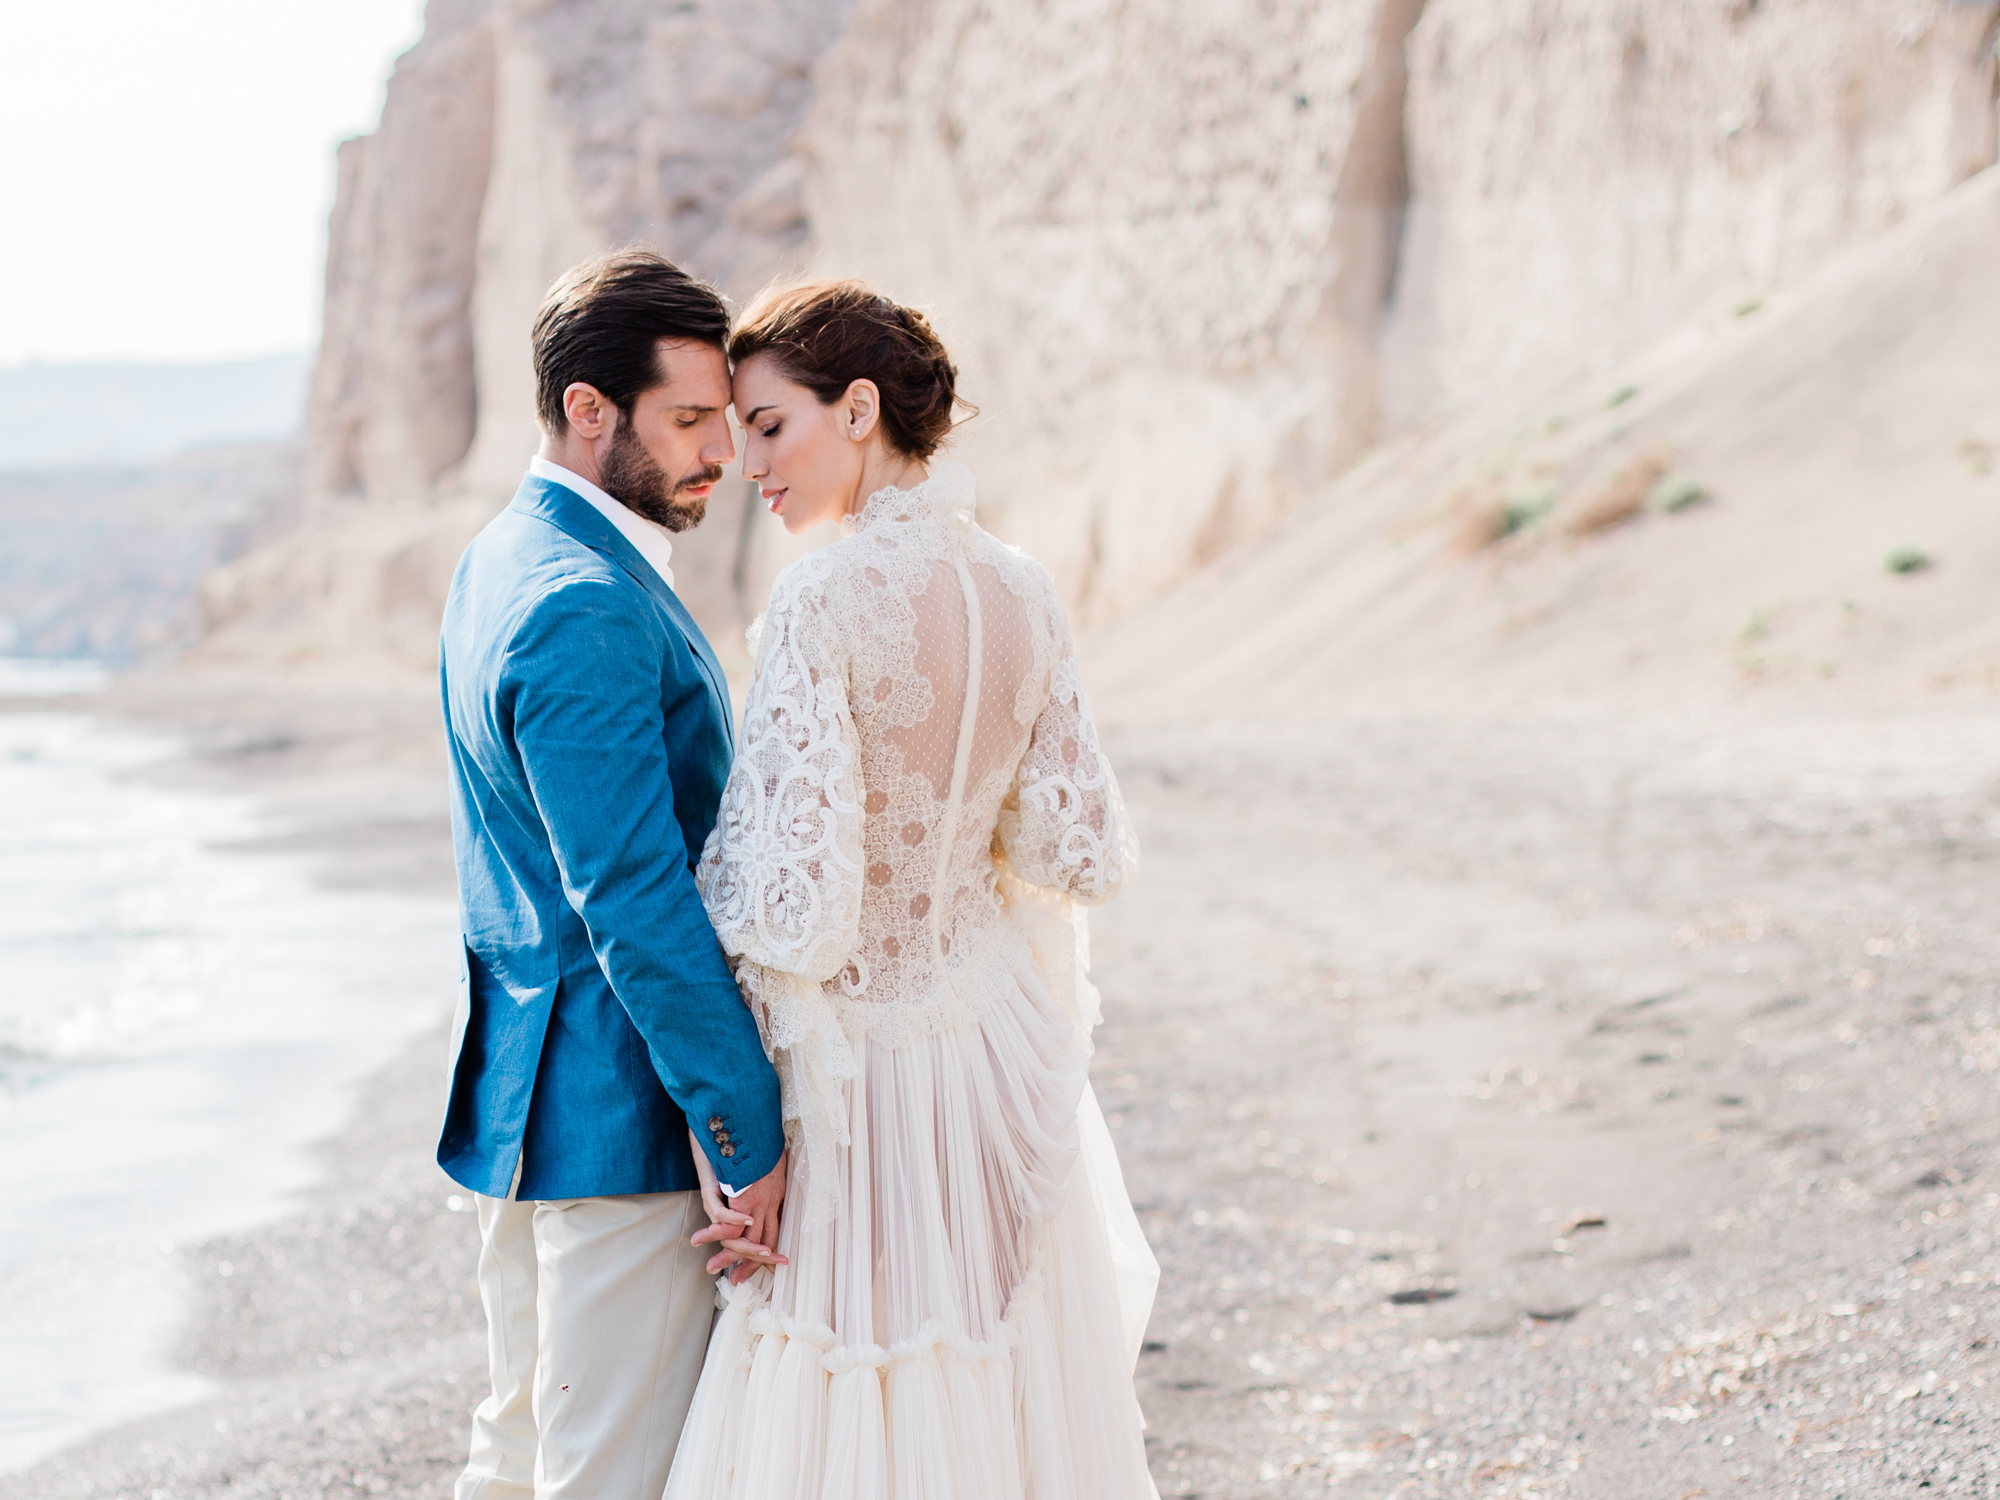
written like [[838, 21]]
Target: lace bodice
[[915, 725]]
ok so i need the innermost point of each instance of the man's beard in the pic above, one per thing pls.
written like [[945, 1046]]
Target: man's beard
[[631, 477]]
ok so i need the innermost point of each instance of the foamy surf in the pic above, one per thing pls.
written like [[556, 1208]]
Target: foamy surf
[[178, 1023]]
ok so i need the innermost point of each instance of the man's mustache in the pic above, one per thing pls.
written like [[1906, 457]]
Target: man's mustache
[[708, 474]]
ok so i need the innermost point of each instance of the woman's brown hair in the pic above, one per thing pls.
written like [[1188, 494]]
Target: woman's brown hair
[[825, 335]]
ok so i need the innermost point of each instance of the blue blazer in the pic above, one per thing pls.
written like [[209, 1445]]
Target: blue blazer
[[588, 723]]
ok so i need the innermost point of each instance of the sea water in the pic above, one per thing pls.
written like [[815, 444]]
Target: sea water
[[178, 1025]]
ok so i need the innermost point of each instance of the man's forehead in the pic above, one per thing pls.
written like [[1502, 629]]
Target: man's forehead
[[697, 375]]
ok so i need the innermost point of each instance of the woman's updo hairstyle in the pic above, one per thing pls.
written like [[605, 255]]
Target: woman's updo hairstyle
[[825, 335]]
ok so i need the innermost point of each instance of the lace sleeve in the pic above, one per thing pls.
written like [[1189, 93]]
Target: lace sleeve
[[1064, 826], [781, 873]]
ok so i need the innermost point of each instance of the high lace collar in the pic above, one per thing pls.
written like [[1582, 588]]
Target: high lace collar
[[946, 495]]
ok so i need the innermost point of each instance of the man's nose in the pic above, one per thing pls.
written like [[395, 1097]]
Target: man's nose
[[721, 446]]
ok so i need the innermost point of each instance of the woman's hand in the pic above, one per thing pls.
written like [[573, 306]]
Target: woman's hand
[[730, 1229]]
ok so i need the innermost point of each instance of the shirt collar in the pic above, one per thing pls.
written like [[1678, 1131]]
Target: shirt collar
[[651, 540]]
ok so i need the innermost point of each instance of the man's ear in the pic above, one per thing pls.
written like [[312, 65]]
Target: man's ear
[[864, 405], [588, 412]]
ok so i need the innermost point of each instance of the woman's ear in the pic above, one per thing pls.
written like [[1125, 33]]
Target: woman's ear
[[863, 407]]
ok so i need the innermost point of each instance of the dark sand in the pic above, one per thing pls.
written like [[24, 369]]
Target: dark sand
[[1567, 1102]]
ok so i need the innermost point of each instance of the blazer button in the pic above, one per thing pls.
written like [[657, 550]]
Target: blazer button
[[728, 1150], [715, 1122], [722, 1137]]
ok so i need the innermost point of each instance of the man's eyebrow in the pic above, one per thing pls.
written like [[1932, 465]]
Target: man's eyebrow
[[690, 406]]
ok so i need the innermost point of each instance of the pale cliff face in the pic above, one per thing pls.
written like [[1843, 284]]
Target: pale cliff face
[[618, 122], [1656, 159], [393, 400], [1172, 237], [1124, 218], [519, 137], [1195, 255]]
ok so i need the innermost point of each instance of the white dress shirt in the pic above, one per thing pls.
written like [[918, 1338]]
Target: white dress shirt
[[651, 540]]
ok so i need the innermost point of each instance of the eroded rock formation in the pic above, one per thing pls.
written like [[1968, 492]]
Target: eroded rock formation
[[393, 400], [1813, 509], [518, 137], [1196, 255], [1201, 253], [1158, 235], [1658, 160]]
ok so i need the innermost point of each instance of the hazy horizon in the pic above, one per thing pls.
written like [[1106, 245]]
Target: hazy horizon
[[107, 413]]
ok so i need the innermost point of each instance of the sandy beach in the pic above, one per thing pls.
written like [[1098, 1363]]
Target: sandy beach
[[1570, 1101]]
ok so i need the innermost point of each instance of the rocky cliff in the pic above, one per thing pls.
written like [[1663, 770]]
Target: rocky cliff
[[518, 137], [1197, 256], [1656, 161], [1802, 494]]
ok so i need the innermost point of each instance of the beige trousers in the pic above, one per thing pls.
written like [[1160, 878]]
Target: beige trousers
[[597, 1317]]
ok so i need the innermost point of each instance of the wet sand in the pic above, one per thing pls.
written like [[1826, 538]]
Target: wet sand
[[1566, 1101]]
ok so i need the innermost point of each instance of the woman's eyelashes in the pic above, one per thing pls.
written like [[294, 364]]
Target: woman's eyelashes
[[771, 431]]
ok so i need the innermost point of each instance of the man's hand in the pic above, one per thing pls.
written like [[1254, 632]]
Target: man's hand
[[764, 1203], [746, 1227]]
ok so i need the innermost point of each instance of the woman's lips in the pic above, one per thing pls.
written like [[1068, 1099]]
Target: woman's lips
[[773, 498]]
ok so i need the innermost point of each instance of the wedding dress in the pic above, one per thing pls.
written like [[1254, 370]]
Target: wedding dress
[[917, 812]]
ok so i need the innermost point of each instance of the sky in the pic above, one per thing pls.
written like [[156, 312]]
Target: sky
[[166, 168]]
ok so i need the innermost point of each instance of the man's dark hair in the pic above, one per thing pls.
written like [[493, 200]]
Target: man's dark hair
[[601, 324]]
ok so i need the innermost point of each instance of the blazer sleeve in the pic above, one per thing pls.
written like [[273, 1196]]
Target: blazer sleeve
[[582, 685]]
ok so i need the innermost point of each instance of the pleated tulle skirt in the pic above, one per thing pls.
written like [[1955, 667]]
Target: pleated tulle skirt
[[965, 1327]]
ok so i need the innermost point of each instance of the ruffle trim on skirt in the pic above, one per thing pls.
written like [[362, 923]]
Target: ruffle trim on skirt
[[1044, 1412], [767, 1322], [985, 1221], [792, 1415]]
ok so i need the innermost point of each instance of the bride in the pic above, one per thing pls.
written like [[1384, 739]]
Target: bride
[[917, 811]]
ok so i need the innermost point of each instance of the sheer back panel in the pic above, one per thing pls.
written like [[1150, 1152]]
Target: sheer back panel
[[910, 665]]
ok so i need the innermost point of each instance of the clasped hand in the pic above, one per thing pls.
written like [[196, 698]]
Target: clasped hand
[[745, 1227]]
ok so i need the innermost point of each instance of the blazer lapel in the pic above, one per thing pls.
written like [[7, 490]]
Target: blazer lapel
[[570, 513], [718, 681]]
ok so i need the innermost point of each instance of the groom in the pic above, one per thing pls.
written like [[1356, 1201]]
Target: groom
[[589, 733]]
